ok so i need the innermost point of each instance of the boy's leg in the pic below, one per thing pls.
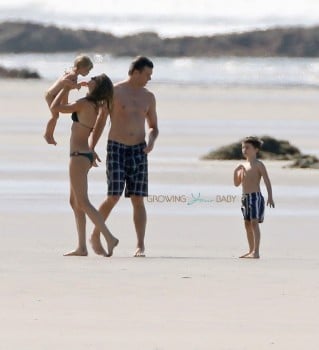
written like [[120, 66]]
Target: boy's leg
[[254, 253], [250, 237], [256, 231]]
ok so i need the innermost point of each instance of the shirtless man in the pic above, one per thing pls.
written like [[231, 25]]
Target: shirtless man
[[249, 175], [127, 150]]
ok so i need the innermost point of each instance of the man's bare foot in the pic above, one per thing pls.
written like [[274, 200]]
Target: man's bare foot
[[139, 253], [77, 252], [111, 245], [97, 245], [50, 139]]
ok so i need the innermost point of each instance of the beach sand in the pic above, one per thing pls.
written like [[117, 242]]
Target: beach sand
[[191, 292]]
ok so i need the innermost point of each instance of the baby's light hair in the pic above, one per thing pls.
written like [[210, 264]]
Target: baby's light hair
[[83, 61]]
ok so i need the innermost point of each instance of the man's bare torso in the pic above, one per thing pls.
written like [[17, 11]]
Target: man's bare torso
[[129, 112]]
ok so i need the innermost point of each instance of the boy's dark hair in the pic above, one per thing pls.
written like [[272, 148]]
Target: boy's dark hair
[[139, 63], [253, 140]]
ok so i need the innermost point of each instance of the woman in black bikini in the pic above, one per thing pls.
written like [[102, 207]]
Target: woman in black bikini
[[85, 113]]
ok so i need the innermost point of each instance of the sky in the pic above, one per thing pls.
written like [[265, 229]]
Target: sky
[[191, 7], [166, 17]]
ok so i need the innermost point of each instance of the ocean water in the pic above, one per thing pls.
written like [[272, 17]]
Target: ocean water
[[34, 177], [171, 18], [226, 71]]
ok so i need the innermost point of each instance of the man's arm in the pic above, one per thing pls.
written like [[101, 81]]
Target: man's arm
[[152, 124]]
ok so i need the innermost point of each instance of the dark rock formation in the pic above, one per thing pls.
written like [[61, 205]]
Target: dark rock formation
[[272, 149], [23, 73], [305, 161], [30, 37]]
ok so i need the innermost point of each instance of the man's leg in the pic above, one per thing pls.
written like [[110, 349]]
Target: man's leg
[[105, 210], [139, 215]]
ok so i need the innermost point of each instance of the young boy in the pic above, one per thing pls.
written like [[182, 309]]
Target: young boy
[[249, 174], [81, 66]]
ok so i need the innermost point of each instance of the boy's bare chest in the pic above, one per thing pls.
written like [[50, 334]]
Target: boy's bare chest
[[251, 172]]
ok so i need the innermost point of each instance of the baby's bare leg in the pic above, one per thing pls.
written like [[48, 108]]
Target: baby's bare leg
[[50, 127], [49, 131]]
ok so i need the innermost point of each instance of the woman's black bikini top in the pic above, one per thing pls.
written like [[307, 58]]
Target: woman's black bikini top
[[75, 118]]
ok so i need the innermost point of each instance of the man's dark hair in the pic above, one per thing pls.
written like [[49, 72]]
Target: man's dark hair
[[255, 141], [139, 63]]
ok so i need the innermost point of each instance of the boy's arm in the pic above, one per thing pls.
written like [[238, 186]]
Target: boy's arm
[[238, 174], [267, 182], [152, 124]]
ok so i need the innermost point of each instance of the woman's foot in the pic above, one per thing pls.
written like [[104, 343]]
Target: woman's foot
[[97, 245], [245, 255], [251, 255], [111, 245], [77, 252]]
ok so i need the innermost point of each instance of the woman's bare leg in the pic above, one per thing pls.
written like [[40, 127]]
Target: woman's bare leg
[[80, 221], [79, 167], [105, 210]]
